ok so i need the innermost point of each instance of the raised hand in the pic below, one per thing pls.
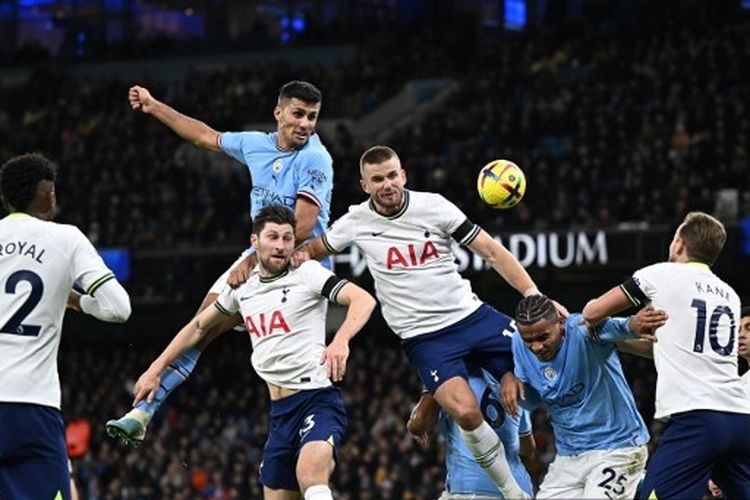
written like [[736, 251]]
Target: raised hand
[[140, 99], [146, 386], [334, 357], [511, 389]]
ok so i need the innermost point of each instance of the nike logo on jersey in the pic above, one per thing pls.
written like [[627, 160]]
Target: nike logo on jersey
[[244, 298], [377, 234]]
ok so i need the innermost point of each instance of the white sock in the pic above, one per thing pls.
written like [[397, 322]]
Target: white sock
[[139, 415], [489, 453], [318, 492]]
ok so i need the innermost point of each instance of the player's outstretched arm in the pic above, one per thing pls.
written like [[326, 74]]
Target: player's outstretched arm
[[609, 304], [186, 339], [504, 262], [186, 127], [360, 305], [110, 302], [306, 213], [423, 418]]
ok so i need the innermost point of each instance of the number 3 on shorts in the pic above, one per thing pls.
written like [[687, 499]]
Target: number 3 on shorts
[[309, 424], [612, 482]]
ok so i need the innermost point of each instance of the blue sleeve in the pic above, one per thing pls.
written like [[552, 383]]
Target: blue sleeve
[[518, 355], [614, 330], [524, 426], [235, 143], [316, 179]]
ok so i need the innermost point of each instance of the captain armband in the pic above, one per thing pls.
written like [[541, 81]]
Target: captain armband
[[332, 287], [466, 232]]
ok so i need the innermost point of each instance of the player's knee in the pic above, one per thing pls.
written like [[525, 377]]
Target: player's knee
[[468, 416], [312, 474]]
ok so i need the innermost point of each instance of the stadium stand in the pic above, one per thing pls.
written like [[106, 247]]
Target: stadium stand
[[611, 130]]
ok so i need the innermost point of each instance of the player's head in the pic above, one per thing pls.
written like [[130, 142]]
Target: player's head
[[700, 238], [540, 326], [743, 339], [382, 177], [296, 113], [27, 184], [273, 237]]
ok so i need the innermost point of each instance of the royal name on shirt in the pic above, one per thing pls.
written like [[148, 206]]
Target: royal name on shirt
[[23, 248]]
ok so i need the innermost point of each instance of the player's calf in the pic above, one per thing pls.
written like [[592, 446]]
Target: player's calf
[[457, 398]]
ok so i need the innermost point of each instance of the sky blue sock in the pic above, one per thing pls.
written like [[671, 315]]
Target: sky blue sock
[[173, 376]]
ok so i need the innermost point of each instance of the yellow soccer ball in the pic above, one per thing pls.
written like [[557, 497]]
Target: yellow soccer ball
[[501, 184]]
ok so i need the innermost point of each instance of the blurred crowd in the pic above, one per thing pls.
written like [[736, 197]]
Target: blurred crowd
[[609, 129], [207, 440]]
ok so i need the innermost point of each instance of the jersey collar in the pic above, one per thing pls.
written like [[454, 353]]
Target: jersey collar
[[275, 277], [401, 210], [18, 215], [701, 265]]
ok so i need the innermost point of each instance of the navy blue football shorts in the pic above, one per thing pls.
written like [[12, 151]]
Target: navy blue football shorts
[[310, 415], [33, 455], [482, 339], [697, 445]]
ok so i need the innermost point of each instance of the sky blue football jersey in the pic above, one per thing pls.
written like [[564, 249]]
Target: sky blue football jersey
[[464, 474], [590, 403], [279, 177]]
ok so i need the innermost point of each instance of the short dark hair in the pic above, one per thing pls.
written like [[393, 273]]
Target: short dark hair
[[535, 307], [375, 156], [20, 177], [275, 214], [704, 237], [304, 91], [745, 312]]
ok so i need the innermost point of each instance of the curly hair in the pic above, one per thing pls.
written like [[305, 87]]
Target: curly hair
[[20, 177]]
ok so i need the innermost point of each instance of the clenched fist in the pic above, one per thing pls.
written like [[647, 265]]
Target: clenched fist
[[140, 99]]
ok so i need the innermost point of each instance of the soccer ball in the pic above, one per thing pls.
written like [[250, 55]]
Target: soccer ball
[[501, 184]]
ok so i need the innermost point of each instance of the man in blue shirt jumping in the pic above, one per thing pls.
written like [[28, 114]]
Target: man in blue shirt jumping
[[290, 166], [575, 371]]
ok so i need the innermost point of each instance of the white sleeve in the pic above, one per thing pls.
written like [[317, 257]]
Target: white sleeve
[[87, 266], [341, 233], [321, 281], [641, 288], [451, 217], [227, 302], [110, 302]]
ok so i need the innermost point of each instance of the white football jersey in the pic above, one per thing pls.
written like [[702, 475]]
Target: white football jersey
[[696, 352], [409, 255], [39, 263], [285, 317], [746, 382]]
